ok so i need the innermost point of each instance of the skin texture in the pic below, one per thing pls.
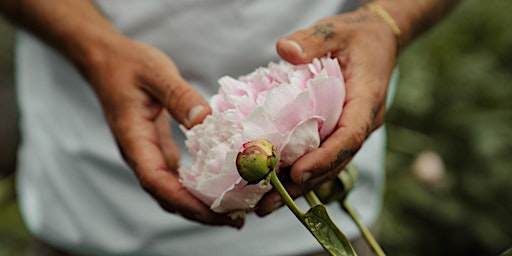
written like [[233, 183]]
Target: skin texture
[[139, 87]]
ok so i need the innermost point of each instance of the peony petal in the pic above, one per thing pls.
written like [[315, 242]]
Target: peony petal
[[276, 138], [328, 95], [240, 197], [294, 112], [230, 87], [219, 103], [332, 67], [215, 185], [244, 104], [257, 123], [278, 97], [301, 140]]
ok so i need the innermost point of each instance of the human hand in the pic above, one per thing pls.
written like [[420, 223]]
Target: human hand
[[366, 49], [137, 85]]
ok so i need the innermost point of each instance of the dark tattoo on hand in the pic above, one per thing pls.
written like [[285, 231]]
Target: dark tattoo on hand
[[341, 156], [374, 112], [368, 130], [324, 30], [373, 115]]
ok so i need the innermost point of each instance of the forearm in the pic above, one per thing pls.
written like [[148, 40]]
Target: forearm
[[73, 27], [414, 17]]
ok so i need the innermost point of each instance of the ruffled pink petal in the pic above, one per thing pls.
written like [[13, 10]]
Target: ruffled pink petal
[[328, 95], [243, 104], [216, 184], [219, 103], [232, 87], [240, 197], [301, 140], [257, 123], [332, 67], [293, 113], [278, 97]]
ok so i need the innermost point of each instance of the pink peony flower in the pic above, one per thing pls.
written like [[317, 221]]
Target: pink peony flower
[[294, 107]]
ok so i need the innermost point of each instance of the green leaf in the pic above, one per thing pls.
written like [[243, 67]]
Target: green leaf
[[319, 223]]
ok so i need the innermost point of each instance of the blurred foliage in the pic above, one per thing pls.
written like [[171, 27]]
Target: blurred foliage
[[14, 238], [454, 99]]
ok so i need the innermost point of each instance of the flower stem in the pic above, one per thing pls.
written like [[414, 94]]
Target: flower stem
[[312, 198], [287, 199], [366, 233]]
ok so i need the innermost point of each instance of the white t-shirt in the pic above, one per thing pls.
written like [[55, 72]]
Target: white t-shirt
[[77, 193]]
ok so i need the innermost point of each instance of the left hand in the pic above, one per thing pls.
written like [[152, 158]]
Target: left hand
[[366, 50]]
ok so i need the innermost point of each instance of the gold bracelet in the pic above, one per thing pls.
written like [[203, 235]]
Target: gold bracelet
[[384, 15]]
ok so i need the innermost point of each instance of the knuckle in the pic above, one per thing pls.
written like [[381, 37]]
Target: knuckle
[[177, 95]]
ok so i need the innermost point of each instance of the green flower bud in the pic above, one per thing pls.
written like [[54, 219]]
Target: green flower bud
[[256, 160]]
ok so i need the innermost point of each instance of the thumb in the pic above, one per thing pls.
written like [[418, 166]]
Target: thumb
[[184, 103], [303, 46], [180, 99]]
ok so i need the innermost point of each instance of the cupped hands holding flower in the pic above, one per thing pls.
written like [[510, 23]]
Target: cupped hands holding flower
[[299, 109]]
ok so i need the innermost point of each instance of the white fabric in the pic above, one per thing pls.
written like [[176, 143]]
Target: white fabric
[[75, 191]]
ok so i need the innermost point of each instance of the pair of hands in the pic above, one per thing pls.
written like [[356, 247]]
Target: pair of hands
[[139, 86]]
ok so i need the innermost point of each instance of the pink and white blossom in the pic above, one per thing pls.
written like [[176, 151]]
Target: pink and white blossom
[[293, 106]]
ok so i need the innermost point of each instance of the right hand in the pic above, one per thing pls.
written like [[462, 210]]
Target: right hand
[[137, 84]]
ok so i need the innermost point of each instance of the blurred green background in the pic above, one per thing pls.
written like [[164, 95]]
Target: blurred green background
[[449, 161]]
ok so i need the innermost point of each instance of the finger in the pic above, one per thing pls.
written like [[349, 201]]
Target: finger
[[184, 103], [273, 201], [314, 42], [170, 150], [139, 141], [183, 203]]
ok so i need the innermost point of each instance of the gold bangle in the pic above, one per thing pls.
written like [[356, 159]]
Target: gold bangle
[[384, 15]]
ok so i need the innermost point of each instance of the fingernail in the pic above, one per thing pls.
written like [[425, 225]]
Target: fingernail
[[296, 46], [193, 113], [306, 176], [277, 204]]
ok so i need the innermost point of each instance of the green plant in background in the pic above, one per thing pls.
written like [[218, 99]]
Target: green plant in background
[[454, 100]]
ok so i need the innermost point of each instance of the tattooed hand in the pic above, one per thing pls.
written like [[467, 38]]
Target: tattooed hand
[[366, 49]]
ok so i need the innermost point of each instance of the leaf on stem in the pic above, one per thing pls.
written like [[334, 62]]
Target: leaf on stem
[[319, 223]]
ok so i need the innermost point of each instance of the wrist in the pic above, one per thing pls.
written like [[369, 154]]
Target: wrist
[[76, 29], [384, 16], [397, 17], [90, 47], [415, 17]]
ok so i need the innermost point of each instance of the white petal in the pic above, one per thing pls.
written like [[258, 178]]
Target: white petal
[[301, 140]]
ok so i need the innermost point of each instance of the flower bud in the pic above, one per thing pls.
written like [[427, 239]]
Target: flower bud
[[256, 160]]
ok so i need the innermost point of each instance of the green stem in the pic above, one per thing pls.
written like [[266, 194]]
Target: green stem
[[287, 199], [366, 233], [312, 199]]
